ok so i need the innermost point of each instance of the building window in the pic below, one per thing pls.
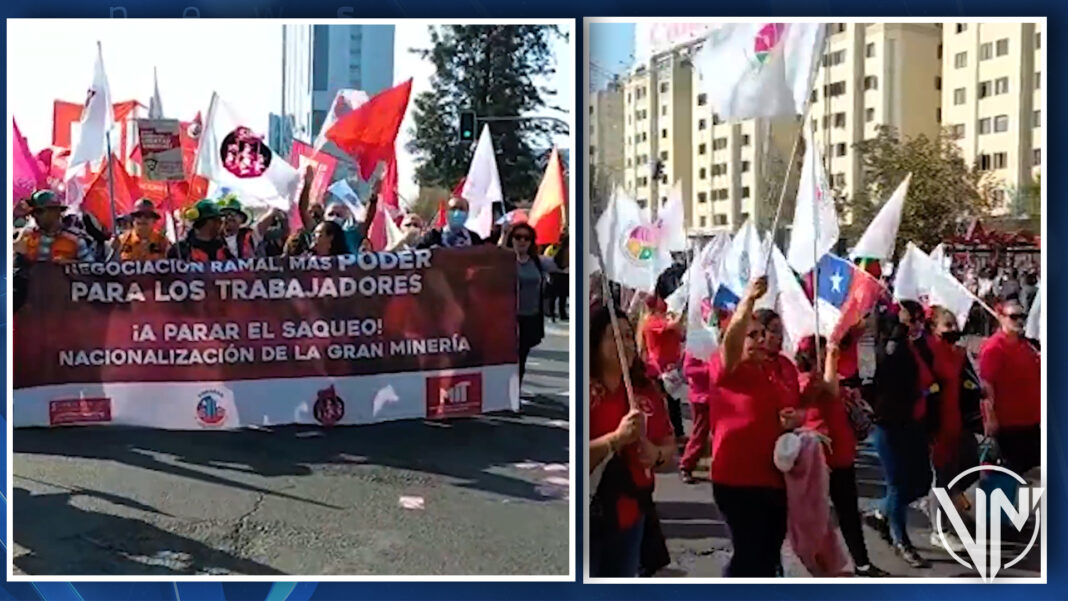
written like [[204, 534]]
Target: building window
[[962, 27], [839, 120], [1036, 159], [938, 115], [986, 51], [1036, 119], [664, 88], [1038, 79], [869, 115], [1038, 40], [723, 194], [628, 98], [745, 191], [984, 126], [702, 174], [702, 197], [719, 143], [869, 51], [983, 162], [838, 180], [719, 169], [815, 124], [1001, 124], [702, 149], [642, 202], [840, 149], [702, 124], [871, 82], [702, 99], [745, 140], [628, 163], [960, 60], [663, 133], [720, 219], [663, 110], [704, 221], [593, 151], [745, 166], [814, 96], [835, 89], [1000, 160], [715, 119], [1001, 85], [645, 136], [1002, 47], [984, 89], [825, 122], [957, 130], [838, 27], [960, 96], [938, 83], [939, 52], [663, 155], [834, 58]]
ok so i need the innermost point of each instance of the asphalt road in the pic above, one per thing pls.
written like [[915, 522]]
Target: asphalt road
[[486, 495], [699, 540]]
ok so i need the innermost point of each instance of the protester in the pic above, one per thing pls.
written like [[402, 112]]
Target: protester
[[559, 282], [623, 498], [902, 384], [828, 414], [455, 233], [296, 245], [313, 215], [144, 242], [660, 344], [1010, 369], [751, 405], [47, 240], [328, 239], [531, 277], [274, 237], [240, 239], [699, 386], [203, 243]]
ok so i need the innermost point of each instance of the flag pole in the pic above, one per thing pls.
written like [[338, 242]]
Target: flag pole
[[816, 261], [111, 184]]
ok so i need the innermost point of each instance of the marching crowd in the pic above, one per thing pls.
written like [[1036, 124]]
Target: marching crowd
[[219, 229], [899, 379]]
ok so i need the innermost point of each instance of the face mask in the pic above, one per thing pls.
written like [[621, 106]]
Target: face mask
[[891, 346], [951, 337], [457, 218]]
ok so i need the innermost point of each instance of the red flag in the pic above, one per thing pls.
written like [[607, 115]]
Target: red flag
[[863, 293], [439, 221], [97, 200], [458, 191], [388, 193], [547, 212], [369, 132], [65, 114]]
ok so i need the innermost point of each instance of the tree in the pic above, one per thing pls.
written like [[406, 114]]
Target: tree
[[944, 192], [493, 70], [1027, 199]]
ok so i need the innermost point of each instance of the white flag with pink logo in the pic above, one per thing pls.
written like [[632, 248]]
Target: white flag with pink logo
[[233, 156], [634, 249], [759, 69], [815, 229]]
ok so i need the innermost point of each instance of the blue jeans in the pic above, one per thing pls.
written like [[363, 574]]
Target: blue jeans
[[906, 460], [619, 556]]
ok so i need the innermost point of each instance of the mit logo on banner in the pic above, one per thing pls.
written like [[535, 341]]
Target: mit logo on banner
[[453, 396]]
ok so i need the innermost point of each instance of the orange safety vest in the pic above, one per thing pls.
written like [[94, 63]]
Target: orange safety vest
[[63, 249]]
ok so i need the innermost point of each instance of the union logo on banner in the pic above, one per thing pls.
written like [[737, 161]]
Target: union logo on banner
[[329, 408], [454, 395], [210, 411], [245, 154]]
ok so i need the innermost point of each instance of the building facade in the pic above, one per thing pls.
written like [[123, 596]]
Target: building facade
[[319, 60], [992, 100], [606, 119]]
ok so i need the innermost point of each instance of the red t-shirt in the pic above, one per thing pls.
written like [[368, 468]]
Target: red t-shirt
[[696, 372], [744, 414], [607, 409], [663, 344], [848, 361], [1013, 370], [948, 363], [925, 380], [828, 415]]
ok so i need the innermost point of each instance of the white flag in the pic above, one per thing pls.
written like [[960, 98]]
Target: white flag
[[919, 279], [345, 101], [155, 104], [1034, 317], [97, 119], [233, 156], [482, 187], [671, 220], [759, 69], [394, 235], [630, 245], [938, 255], [792, 305], [702, 329], [877, 242], [815, 228]]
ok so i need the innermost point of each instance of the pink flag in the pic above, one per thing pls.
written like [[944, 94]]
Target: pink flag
[[28, 177]]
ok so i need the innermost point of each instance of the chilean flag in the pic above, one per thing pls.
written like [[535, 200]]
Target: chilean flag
[[846, 295]]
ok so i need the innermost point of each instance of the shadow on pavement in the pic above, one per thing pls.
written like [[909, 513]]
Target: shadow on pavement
[[136, 547], [463, 449]]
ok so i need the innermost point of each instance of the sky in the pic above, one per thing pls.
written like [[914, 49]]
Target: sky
[[242, 64], [612, 49]]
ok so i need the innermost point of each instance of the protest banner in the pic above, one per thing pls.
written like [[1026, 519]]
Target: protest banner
[[161, 149], [302, 155], [328, 340]]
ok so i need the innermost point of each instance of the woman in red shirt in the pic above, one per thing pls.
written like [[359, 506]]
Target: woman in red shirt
[[660, 344], [634, 443], [826, 412], [751, 406]]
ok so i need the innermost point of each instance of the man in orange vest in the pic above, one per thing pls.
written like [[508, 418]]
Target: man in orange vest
[[143, 242], [47, 241], [204, 242]]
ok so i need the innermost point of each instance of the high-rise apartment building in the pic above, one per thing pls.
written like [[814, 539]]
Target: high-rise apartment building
[[992, 100], [606, 142]]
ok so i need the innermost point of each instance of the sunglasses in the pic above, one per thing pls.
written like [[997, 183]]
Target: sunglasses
[[1016, 316], [521, 238]]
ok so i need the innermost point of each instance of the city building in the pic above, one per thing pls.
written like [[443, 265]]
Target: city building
[[992, 100], [280, 134], [606, 143], [319, 60]]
